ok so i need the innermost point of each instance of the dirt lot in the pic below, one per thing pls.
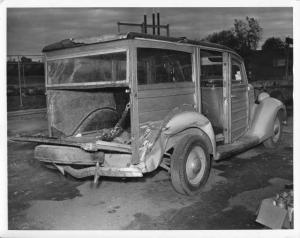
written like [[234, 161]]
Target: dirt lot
[[40, 198]]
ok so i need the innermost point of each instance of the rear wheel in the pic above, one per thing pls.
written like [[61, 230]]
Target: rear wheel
[[277, 131], [190, 165]]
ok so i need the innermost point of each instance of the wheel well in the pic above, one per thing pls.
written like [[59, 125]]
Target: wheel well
[[187, 175], [172, 141], [282, 114]]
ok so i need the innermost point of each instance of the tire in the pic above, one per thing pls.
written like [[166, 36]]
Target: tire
[[190, 165], [277, 132]]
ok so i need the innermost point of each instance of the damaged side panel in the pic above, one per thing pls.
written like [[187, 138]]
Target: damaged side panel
[[160, 136], [66, 155]]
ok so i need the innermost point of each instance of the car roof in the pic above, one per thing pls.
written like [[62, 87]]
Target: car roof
[[71, 43]]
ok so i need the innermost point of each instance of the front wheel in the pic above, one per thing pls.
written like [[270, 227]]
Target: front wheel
[[277, 131], [190, 165]]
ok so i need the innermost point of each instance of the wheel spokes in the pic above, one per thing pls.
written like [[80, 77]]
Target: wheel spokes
[[276, 130], [195, 165]]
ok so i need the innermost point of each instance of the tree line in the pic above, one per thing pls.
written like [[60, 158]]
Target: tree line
[[245, 36], [36, 68]]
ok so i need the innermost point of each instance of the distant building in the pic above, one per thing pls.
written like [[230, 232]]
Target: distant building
[[272, 72], [271, 65]]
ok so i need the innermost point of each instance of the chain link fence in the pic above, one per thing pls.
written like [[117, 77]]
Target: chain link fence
[[25, 82]]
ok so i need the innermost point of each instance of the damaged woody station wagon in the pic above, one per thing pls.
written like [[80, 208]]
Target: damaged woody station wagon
[[122, 105]]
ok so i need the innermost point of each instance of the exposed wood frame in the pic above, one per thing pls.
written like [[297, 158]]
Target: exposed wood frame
[[156, 86], [49, 109], [227, 97], [87, 49], [146, 43], [243, 87], [132, 61], [88, 85], [247, 94], [180, 45], [244, 83], [88, 53], [197, 77]]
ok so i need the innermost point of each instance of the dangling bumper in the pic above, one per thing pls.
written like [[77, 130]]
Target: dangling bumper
[[100, 171], [83, 159], [68, 159]]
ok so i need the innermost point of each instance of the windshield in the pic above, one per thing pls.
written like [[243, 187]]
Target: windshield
[[96, 68]]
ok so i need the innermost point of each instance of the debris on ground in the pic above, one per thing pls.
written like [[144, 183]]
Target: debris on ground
[[277, 212]]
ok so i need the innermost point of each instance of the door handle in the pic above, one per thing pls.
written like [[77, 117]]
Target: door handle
[[233, 96]]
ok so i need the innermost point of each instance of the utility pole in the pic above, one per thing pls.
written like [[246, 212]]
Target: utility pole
[[153, 23], [20, 83], [158, 23], [23, 75], [288, 42], [144, 25]]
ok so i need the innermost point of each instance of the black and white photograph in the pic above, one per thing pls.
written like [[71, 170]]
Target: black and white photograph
[[152, 118]]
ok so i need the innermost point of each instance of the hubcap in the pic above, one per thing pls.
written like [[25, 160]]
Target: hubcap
[[276, 130], [195, 165]]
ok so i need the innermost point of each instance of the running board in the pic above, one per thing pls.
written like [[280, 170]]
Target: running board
[[241, 145], [220, 137]]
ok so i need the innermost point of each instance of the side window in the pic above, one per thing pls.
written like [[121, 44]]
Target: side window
[[163, 66], [211, 63], [236, 72]]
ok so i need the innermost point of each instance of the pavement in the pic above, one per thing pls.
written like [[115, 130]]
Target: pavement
[[40, 198]]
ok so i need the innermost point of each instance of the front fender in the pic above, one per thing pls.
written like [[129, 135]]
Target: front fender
[[264, 116]]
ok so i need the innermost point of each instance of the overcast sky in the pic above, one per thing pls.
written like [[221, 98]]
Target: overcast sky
[[29, 30]]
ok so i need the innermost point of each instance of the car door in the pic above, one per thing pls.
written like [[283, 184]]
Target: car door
[[238, 98]]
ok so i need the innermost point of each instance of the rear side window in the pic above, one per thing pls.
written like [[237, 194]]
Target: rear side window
[[236, 72], [163, 66], [211, 65], [96, 68]]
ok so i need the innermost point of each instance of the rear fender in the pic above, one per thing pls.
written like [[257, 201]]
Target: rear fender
[[173, 140], [181, 124], [264, 115], [190, 122]]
